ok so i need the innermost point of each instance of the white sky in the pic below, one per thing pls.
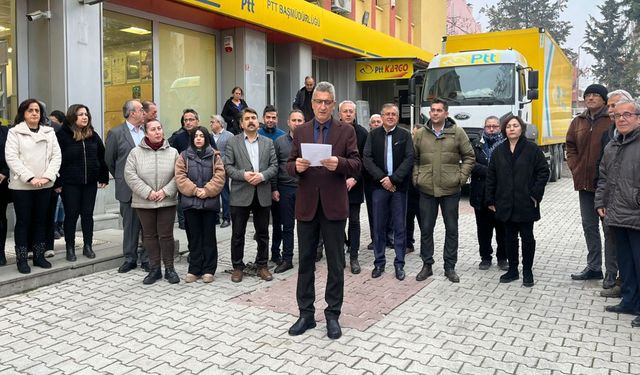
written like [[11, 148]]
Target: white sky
[[577, 12]]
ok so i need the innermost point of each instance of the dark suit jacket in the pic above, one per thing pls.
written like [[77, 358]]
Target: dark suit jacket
[[318, 183], [374, 155], [117, 147], [356, 194], [237, 161]]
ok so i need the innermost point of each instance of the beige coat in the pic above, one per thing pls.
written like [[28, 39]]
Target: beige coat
[[147, 170], [32, 155]]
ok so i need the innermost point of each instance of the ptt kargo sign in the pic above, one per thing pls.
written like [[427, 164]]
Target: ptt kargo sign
[[382, 70]]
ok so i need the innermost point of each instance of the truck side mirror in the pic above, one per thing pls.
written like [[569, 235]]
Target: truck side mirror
[[532, 79], [532, 94]]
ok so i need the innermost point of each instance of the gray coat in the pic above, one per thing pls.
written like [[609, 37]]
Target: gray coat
[[118, 144], [237, 161], [619, 183]]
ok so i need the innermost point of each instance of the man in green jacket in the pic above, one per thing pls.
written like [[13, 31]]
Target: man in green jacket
[[443, 160]]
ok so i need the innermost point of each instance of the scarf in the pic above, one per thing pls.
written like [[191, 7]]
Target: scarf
[[491, 141], [154, 146]]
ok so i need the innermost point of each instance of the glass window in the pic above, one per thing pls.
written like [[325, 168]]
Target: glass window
[[127, 64], [187, 75], [8, 97]]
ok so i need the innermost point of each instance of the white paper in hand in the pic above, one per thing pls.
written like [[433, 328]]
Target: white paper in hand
[[314, 152]]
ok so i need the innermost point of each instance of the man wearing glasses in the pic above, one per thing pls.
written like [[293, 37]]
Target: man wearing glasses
[[617, 201], [322, 206], [584, 142], [120, 141], [486, 222]]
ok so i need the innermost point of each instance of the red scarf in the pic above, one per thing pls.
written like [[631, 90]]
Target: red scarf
[[154, 146]]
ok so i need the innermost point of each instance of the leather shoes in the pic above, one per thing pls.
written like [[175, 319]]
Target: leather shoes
[[587, 274], [370, 246], [484, 265], [284, 266], [225, 223], [88, 251], [333, 329], [171, 275], [264, 273], [277, 259], [355, 266], [301, 326], [126, 267], [236, 275], [145, 266], [503, 265], [409, 249], [71, 253], [510, 276], [377, 272], [614, 292], [452, 276], [424, 273], [635, 323], [153, 276], [400, 275], [620, 309], [609, 280]]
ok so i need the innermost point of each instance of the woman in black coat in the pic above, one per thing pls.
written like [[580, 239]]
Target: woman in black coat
[[82, 171], [516, 178], [232, 108]]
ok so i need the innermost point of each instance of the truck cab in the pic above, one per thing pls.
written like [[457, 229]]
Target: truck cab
[[478, 84]]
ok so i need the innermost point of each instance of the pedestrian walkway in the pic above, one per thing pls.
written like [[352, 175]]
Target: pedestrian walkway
[[110, 323]]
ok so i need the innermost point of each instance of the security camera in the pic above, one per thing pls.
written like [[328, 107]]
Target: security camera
[[38, 14]]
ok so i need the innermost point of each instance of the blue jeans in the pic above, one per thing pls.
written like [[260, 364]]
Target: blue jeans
[[628, 248], [287, 219], [389, 206], [428, 214]]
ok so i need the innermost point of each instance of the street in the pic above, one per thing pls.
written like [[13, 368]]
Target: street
[[111, 323]]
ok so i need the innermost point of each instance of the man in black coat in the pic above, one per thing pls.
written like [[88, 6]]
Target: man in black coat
[[355, 185], [388, 157], [303, 98], [486, 222]]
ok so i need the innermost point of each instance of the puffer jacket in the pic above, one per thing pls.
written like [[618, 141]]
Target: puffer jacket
[[32, 155], [437, 170], [584, 139], [207, 172], [148, 170], [619, 183], [82, 161]]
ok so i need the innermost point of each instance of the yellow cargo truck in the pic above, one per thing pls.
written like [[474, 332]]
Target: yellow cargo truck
[[523, 72]]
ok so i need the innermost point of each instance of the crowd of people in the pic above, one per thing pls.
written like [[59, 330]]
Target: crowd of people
[[241, 167]]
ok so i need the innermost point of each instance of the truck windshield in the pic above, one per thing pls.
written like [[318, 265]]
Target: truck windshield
[[471, 85]]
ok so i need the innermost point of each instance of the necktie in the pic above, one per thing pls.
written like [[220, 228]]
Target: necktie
[[386, 145], [321, 134]]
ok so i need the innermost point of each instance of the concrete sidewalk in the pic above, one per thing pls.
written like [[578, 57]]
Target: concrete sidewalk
[[110, 323]]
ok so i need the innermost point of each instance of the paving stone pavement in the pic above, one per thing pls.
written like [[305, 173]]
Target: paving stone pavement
[[109, 323]]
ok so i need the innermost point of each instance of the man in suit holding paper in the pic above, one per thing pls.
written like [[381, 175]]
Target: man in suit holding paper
[[322, 206]]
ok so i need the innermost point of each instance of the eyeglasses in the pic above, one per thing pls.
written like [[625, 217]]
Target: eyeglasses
[[390, 114], [492, 126], [626, 115], [326, 102]]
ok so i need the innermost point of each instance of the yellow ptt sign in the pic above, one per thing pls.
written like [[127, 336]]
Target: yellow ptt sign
[[383, 70], [470, 59]]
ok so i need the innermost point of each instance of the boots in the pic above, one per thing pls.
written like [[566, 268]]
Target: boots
[[71, 252], [38, 256], [21, 259], [154, 275], [171, 275], [88, 251]]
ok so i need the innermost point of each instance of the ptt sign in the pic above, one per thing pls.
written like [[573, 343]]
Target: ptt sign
[[381, 70], [475, 58], [249, 5]]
